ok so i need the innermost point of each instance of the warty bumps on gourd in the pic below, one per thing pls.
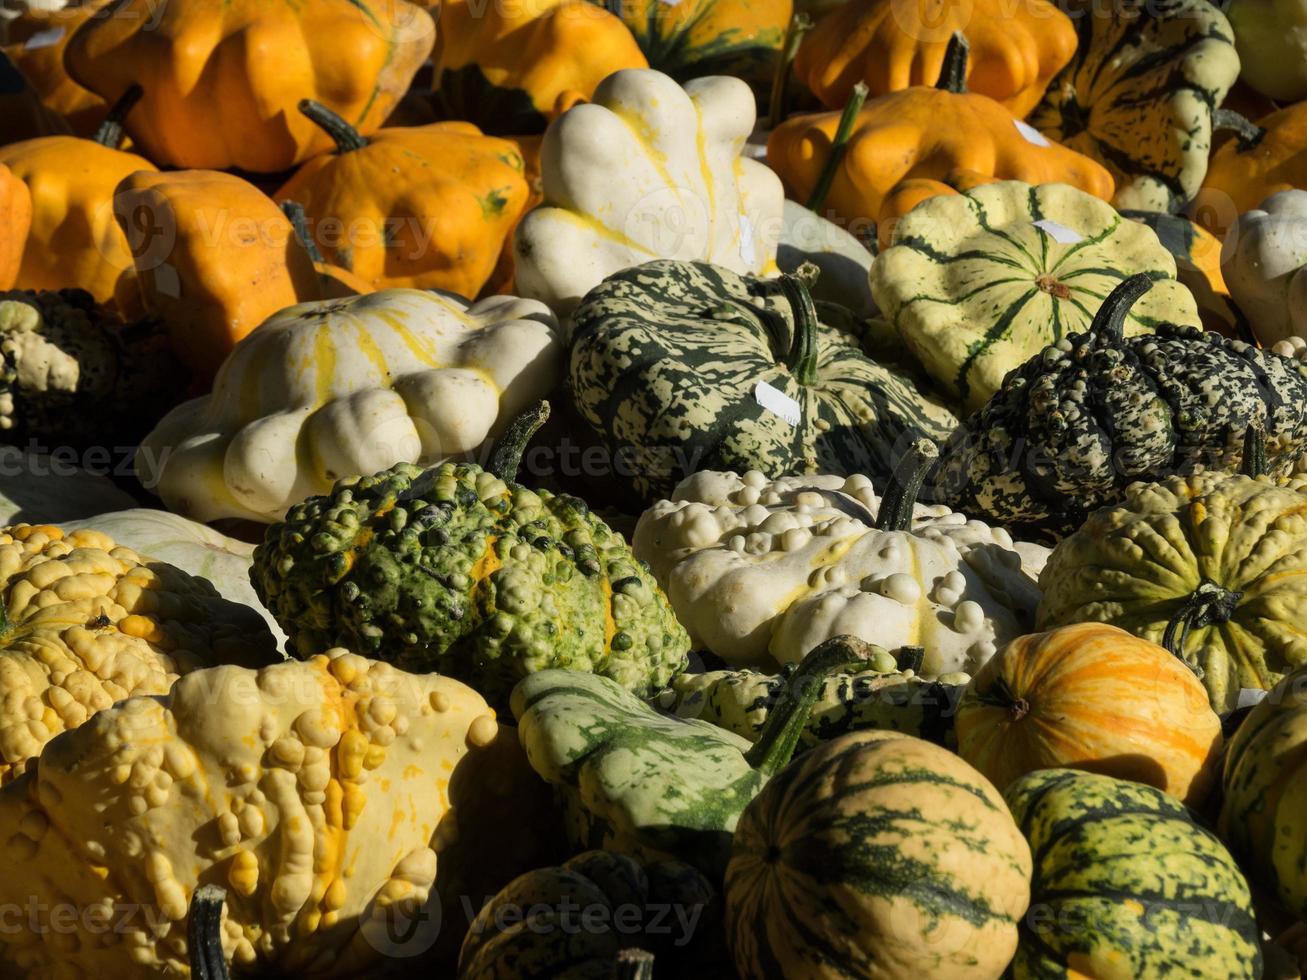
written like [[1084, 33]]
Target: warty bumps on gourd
[[459, 569]]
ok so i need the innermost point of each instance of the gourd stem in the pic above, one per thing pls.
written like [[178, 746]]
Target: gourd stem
[[899, 500], [799, 25], [780, 736], [953, 73], [345, 136], [1000, 696], [203, 934], [843, 131], [910, 658], [802, 359], [508, 454], [1249, 133], [110, 133], [1109, 321], [633, 964], [294, 212], [1254, 451], [1206, 605]]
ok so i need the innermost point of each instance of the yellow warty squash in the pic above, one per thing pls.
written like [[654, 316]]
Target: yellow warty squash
[[87, 623], [222, 77], [316, 793]]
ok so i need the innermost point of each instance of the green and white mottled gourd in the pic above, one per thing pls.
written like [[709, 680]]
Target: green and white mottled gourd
[[761, 572], [877, 855], [1095, 412], [1141, 95], [1126, 884], [978, 283], [667, 360], [887, 696], [652, 785]]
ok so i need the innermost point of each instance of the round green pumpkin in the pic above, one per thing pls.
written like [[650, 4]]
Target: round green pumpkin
[[1126, 884], [1070, 429], [666, 363], [876, 855], [1264, 813], [978, 283]]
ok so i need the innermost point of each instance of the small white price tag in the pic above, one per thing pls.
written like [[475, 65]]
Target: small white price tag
[[1249, 696], [1031, 134], [47, 38], [778, 403], [1059, 233], [748, 253]]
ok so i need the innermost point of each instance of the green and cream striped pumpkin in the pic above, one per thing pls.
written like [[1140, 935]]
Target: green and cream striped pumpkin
[[876, 855], [1264, 813], [978, 283], [1126, 884], [1141, 94], [681, 366]]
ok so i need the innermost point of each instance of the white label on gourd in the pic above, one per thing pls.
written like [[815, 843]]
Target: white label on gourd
[[1059, 233], [1030, 134], [748, 254], [1249, 696], [47, 38], [778, 403]]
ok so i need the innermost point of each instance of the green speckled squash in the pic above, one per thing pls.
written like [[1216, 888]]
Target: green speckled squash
[[1140, 94], [1264, 812], [666, 363], [876, 855], [1126, 884], [1072, 428], [977, 283]]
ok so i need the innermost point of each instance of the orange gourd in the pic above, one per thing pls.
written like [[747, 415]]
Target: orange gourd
[[74, 241], [907, 194], [920, 132], [37, 41], [427, 207], [1093, 697], [222, 77], [215, 258], [1017, 46], [15, 219]]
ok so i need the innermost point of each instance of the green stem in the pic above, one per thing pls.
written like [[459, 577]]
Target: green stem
[[110, 133], [1249, 133], [953, 73], [345, 136], [802, 359], [780, 736], [1109, 321], [204, 935], [843, 131], [294, 212], [508, 454], [1254, 451], [1205, 606], [633, 964], [899, 500], [799, 25]]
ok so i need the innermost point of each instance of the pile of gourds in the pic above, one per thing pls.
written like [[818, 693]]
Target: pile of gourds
[[722, 488]]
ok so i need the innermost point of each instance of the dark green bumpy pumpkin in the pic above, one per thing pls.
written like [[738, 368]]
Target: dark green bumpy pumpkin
[[460, 570], [1126, 884], [1075, 425], [666, 363]]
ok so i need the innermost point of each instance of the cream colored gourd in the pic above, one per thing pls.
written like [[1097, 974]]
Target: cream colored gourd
[[349, 387], [648, 170], [316, 793], [35, 487], [1265, 265], [760, 571]]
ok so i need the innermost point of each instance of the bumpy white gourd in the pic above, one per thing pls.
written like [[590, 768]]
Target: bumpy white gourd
[[315, 792], [349, 387], [648, 170], [1265, 264], [762, 571]]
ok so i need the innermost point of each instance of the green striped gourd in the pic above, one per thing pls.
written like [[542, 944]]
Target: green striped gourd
[[1126, 884], [667, 360], [876, 855]]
